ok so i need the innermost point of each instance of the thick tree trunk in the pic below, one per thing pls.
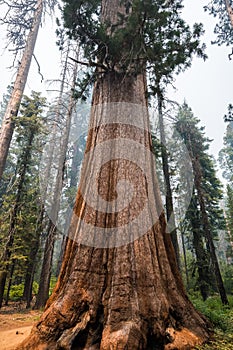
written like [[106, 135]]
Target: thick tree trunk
[[126, 297], [166, 172], [119, 286], [8, 123]]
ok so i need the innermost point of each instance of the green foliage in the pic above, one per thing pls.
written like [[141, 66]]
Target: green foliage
[[198, 145], [223, 28], [16, 292], [21, 200], [219, 315], [227, 272], [222, 319], [53, 281], [205, 182], [143, 34], [229, 116]]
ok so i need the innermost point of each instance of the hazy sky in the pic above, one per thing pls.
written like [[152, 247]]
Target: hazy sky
[[206, 86]]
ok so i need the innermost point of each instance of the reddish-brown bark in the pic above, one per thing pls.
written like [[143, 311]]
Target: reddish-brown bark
[[129, 297], [124, 291]]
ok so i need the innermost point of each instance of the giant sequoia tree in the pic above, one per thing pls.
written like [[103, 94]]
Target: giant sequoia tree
[[119, 286]]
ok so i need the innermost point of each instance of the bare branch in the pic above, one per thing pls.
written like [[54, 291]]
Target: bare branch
[[39, 70]]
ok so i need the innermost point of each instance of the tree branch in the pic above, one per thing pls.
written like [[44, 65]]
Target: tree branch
[[38, 65], [89, 64]]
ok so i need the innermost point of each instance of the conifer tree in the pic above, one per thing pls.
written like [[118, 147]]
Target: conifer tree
[[207, 190], [119, 285], [226, 161], [23, 35], [22, 198]]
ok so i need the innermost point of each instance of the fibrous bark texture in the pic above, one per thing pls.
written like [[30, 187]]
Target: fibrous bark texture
[[119, 285], [113, 295]]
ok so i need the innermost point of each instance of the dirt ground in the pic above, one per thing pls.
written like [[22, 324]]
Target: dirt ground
[[15, 324]]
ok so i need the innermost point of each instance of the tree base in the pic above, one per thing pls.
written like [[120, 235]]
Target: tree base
[[128, 337]]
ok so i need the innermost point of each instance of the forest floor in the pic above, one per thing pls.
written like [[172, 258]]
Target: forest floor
[[15, 324]]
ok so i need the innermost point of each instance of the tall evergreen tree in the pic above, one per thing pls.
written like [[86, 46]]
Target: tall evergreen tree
[[207, 187], [226, 161], [31, 25], [119, 285], [15, 210]]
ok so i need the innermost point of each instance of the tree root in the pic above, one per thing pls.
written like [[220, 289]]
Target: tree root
[[67, 338]]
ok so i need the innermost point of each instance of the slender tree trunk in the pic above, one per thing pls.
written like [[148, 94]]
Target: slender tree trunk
[[10, 282], [185, 260], [43, 292], [166, 173], [8, 123], [76, 161], [207, 230], [57, 120], [31, 264], [13, 221], [202, 261], [119, 286], [45, 275]]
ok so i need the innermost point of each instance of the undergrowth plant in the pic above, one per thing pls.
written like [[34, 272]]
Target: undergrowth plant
[[221, 317]]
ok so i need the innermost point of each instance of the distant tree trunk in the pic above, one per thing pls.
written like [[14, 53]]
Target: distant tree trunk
[[130, 296], [31, 264], [166, 173], [207, 230], [54, 132], [43, 292], [45, 275], [10, 282], [13, 221], [76, 161], [8, 123], [202, 261], [185, 259]]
